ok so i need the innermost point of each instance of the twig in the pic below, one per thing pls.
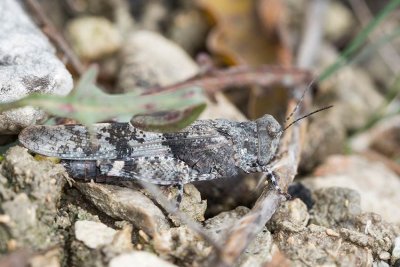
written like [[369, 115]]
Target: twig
[[251, 224], [389, 54], [217, 80], [53, 34], [171, 207]]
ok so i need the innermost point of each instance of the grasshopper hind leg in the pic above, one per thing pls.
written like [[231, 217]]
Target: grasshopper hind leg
[[272, 176], [180, 194]]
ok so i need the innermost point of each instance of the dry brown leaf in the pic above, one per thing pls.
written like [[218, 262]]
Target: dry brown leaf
[[246, 33], [237, 36]]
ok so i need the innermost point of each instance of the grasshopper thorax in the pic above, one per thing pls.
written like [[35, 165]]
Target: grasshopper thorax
[[255, 142], [269, 133]]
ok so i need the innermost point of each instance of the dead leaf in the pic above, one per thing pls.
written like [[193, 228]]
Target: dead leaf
[[245, 33]]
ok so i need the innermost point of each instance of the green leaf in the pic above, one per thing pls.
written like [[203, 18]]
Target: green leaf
[[89, 104], [170, 121]]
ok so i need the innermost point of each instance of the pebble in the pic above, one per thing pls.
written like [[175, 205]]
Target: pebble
[[396, 250], [331, 232], [93, 234], [149, 60], [339, 22], [384, 255], [93, 38], [28, 65], [380, 264], [139, 258], [335, 207], [126, 204], [291, 216]]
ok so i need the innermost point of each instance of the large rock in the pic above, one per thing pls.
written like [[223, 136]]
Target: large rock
[[377, 185], [28, 64]]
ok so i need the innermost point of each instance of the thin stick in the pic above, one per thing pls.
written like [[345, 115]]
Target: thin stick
[[252, 223], [53, 34], [217, 80], [171, 207]]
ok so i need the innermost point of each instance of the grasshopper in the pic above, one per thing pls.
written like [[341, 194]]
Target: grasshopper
[[205, 150]]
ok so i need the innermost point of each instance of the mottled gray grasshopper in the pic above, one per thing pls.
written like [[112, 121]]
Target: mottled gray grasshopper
[[205, 150]]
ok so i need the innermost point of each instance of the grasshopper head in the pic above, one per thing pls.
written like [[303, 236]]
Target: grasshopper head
[[269, 132]]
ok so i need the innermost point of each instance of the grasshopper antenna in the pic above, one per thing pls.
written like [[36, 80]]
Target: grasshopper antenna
[[300, 101], [307, 115]]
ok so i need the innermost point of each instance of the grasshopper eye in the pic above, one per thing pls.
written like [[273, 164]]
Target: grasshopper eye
[[273, 130]]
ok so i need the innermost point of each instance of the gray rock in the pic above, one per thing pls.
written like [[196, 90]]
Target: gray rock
[[336, 207], [126, 204], [27, 64], [382, 233], [191, 204], [93, 234], [377, 185], [139, 258], [291, 216], [314, 246], [396, 250], [182, 245], [30, 191], [148, 60]]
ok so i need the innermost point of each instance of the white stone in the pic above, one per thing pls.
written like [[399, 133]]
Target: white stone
[[93, 234], [139, 258], [396, 250], [93, 37], [27, 64]]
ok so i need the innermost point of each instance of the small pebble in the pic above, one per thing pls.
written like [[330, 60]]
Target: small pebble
[[139, 258], [380, 264], [330, 232], [93, 234], [384, 255], [396, 250], [93, 38]]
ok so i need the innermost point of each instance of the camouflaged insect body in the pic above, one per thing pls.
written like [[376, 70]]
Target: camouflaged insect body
[[206, 150]]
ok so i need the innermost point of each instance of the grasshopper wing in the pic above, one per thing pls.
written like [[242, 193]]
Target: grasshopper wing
[[105, 141], [157, 170]]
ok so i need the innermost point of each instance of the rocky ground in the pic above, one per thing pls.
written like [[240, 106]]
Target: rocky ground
[[344, 207]]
